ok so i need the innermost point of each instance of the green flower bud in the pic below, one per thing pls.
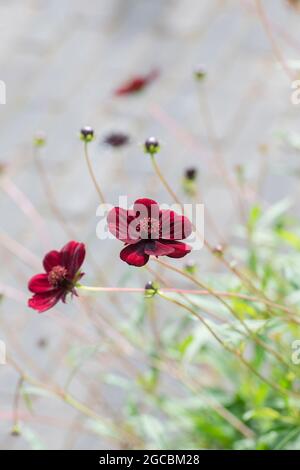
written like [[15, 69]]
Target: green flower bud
[[218, 250], [200, 73], [151, 288], [39, 139], [151, 146], [87, 134], [191, 267]]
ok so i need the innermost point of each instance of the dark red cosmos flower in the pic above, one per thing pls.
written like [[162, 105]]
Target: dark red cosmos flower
[[148, 231], [62, 274], [137, 83], [116, 139]]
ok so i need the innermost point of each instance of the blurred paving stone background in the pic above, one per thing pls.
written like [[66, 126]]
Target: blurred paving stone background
[[61, 61]]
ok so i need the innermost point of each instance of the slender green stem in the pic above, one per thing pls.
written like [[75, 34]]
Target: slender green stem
[[70, 400], [16, 421], [243, 278], [92, 174], [275, 48], [232, 311], [164, 181], [57, 213], [229, 348], [201, 292]]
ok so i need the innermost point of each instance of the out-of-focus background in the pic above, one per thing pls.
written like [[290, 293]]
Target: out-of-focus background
[[61, 62]]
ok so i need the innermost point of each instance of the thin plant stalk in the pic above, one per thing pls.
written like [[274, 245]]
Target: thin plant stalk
[[229, 348], [201, 292], [230, 266], [92, 174], [66, 397], [232, 311], [57, 213], [275, 48], [164, 181]]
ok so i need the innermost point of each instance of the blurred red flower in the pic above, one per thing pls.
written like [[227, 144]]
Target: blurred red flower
[[60, 277], [148, 231], [137, 83]]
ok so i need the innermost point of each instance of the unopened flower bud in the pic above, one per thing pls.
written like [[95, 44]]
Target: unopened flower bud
[[200, 72], [189, 181], [219, 250], [16, 431], [151, 288], [191, 267], [151, 146], [191, 174], [42, 343], [87, 134], [116, 139], [39, 139]]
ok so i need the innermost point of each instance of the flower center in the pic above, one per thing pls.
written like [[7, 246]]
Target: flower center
[[149, 228], [57, 276]]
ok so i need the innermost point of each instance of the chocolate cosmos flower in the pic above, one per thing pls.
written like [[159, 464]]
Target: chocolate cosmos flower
[[116, 139], [60, 277], [148, 231], [136, 84]]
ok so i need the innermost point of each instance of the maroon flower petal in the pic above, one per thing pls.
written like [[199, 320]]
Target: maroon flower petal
[[134, 255], [72, 257], [45, 301], [136, 84], [132, 86], [174, 226], [179, 249], [145, 207], [157, 248], [39, 284], [119, 220], [51, 259]]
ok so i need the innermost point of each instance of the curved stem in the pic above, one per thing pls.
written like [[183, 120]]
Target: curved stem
[[244, 279], [276, 50], [255, 338], [16, 420], [164, 181], [68, 399], [201, 292], [92, 174], [228, 348], [57, 213]]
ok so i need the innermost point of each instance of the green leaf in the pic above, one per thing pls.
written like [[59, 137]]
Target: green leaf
[[262, 414], [254, 216], [291, 238]]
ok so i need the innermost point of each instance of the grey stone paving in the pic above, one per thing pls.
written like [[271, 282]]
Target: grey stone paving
[[60, 60]]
